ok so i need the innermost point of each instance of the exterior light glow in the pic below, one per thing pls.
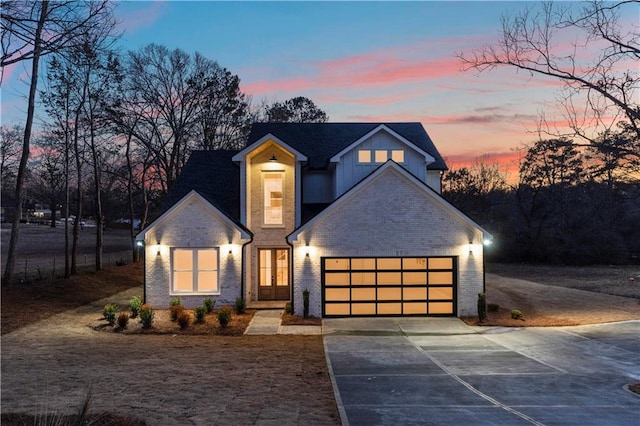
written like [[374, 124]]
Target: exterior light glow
[[307, 250], [139, 243], [273, 158], [471, 247]]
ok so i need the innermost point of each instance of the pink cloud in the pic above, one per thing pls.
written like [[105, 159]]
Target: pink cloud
[[143, 18]]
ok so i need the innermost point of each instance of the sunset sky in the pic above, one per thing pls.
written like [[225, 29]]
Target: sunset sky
[[358, 61]]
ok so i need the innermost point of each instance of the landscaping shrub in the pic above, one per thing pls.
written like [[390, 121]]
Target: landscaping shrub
[[482, 306], [176, 301], [175, 311], [146, 316], [184, 319], [224, 316], [493, 307], [109, 312], [305, 301], [123, 320], [288, 308], [200, 312], [241, 305], [208, 304], [516, 314], [135, 304]]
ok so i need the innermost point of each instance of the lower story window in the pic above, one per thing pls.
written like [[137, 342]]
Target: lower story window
[[195, 270]]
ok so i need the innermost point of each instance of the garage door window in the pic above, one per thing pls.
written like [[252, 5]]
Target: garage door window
[[389, 286]]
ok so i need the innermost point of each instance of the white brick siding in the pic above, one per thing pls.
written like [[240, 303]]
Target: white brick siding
[[193, 224], [389, 215]]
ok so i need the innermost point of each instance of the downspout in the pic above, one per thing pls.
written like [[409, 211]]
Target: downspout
[[291, 298], [242, 267]]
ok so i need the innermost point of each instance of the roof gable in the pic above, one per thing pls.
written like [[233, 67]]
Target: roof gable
[[383, 128], [191, 196], [391, 166], [240, 156]]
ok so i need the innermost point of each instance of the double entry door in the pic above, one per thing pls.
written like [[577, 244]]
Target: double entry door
[[273, 274]]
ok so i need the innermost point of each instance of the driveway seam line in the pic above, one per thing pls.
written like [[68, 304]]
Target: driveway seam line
[[474, 390]]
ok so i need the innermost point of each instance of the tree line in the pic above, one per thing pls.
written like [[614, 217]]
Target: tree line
[[119, 126], [568, 205]]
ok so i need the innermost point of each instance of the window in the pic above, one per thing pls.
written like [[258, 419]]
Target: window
[[381, 155], [195, 270], [273, 200], [364, 156], [397, 155]]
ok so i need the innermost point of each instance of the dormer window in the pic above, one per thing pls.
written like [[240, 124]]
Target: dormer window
[[273, 198], [380, 156]]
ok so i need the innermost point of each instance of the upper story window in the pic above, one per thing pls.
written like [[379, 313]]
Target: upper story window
[[273, 198], [195, 270], [380, 155]]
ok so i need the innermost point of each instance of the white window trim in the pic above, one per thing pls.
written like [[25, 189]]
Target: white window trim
[[262, 193], [194, 251]]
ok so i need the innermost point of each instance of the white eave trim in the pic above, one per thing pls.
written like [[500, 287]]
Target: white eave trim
[[193, 195], [240, 156], [437, 198], [428, 158]]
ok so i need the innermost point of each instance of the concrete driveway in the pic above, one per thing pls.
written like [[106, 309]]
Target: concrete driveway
[[440, 371]]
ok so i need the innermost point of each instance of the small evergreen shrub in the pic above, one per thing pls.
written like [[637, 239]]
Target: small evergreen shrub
[[184, 319], [288, 308], [123, 320], [176, 301], [208, 303], [482, 306], [146, 316], [224, 316], [493, 307], [200, 312], [516, 314], [305, 301], [175, 311], [109, 312], [241, 305], [134, 305]]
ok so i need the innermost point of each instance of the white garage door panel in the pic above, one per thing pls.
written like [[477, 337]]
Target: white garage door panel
[[389, 286]]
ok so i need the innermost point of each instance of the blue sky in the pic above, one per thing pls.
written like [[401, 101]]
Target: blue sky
[[359, 61]]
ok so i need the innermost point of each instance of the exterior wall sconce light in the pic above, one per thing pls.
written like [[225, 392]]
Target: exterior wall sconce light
[[471, 247], [139, 243], [273, 158], [230, 248], [307, 250], [158, 252]]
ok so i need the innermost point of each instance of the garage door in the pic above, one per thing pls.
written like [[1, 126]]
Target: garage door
[[369, 286]]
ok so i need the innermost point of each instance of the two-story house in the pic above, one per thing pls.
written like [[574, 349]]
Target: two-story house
[[351, 212]]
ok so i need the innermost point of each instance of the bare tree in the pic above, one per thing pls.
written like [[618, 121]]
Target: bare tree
[[599, 91], [295, 110], [47, 179], [29, 31], [10, 138]]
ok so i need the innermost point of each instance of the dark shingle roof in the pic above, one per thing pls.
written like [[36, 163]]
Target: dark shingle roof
[[214, 176], [321, 141]]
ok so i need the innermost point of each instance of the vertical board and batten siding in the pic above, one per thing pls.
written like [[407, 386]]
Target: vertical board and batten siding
[[317, 187], [407, 222], [192, 225], [349, 171]]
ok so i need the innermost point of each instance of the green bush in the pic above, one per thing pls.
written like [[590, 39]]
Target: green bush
[[208, 304], [516, 314], [109, 312], [146, 316], [200, 312], [123, 320], [493, 307], [184, 319], [224, 316], [135, 304], [241, 305], [175, 311], [176, 301], [288, 308]]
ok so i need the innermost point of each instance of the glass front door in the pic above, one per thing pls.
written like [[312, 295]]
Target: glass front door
[[273, 272]]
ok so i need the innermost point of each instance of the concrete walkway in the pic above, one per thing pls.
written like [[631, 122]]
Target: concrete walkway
[[268, 321]]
